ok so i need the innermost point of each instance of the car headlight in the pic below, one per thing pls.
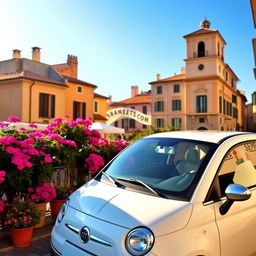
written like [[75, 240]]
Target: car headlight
[[63, 210], [139, 241]]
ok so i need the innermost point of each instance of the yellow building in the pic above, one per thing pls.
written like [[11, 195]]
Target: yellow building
[[38, 92], [100, 107], [205, 94]]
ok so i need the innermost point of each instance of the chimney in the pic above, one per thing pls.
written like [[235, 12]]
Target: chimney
[[158, 77], [134, 90], [36, 54], [110, 99], [16, 54], [73, 63], [183, 70]]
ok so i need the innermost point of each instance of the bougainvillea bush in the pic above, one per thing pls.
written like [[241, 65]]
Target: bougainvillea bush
[[28, 156], [23, 160]]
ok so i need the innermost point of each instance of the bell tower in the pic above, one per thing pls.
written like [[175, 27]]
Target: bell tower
[[204, 50]]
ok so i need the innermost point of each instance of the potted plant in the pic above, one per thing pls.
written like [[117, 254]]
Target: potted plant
[[41, 195], [62, 193], [19, 218]]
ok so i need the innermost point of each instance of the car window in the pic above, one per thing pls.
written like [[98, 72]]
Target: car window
[[165, 164], [239, 166]]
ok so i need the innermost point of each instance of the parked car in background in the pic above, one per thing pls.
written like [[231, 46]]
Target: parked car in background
[[177, 193]]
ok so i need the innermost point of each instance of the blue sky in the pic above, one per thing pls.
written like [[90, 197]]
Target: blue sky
[[120, 43]]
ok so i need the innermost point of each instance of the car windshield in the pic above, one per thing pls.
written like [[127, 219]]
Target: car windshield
[[171, 167]]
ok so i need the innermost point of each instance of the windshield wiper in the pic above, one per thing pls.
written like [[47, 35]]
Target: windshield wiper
[[110, 178], [132, 180]]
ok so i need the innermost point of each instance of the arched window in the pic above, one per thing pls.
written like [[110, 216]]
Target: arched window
[[201, 49]]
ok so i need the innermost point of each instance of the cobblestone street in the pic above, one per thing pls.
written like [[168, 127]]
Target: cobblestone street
[[40, 245]]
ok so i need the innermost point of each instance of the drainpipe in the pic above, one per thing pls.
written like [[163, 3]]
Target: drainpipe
[[30, 100]]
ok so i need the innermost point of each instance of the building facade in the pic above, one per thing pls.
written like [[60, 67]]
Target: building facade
[[140, 103], [205, 95], [38, 92], [251, 108], [100, 107]]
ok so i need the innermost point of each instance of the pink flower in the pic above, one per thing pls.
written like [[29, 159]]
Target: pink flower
[[87, 132], [2, 205], [45, 192], [13, 119], [47, 158], [31, 190], [3, 124], [33, 126], [93, 162], [37, 134], [72, 124], [2, 175], [7, 140], [96, 134], [22, 129], [93, 140]]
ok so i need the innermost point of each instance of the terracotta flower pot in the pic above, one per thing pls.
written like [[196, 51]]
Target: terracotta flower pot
[[55, 207], [42, 208], [21, 237]]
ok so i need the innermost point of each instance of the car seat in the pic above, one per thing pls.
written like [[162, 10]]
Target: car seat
[[190, 163]]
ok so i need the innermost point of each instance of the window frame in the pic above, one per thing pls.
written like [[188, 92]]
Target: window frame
[[179, 121], [47, 105], [176, 88], [176, 105], [96, 106], [159, 89], [161, 123], [214, 193], [204, 102], [79, 109], [159, 106], [79, 87]]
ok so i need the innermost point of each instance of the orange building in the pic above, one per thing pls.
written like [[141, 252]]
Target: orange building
[[38, 92], [205, 94]]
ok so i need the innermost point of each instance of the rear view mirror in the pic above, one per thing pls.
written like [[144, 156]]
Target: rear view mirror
[[234, 192]]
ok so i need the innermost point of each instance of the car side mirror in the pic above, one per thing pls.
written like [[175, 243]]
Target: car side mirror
[[234, 192]]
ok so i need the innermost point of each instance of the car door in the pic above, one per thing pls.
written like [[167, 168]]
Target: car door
[[237, 228]]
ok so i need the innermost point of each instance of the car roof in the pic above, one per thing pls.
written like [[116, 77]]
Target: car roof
[[201, 135]]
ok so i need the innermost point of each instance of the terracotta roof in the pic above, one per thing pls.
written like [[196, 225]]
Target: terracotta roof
[[202, 31], [100, 96], [61, 66], [77, 81], [98, 117], [138, 99], [169, 79], [31, 76]]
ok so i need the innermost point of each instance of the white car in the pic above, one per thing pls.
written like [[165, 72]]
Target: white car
[[168, 194]]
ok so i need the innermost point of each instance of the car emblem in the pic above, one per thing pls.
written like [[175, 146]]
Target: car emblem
[[84, 234]]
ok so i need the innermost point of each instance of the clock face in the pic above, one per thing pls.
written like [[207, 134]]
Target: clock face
[[200, 66]]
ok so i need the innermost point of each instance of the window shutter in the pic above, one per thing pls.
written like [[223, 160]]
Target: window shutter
[[74, 110], [197, 104], [41, 97], [52, 105], [83, 110]]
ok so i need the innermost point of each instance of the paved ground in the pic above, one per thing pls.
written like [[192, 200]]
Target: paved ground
[[40, 244]]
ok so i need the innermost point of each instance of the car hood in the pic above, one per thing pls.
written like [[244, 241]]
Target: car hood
[[130, 209]]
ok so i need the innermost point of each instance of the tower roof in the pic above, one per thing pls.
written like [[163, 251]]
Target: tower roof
[[205, 23], [204, 29]]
